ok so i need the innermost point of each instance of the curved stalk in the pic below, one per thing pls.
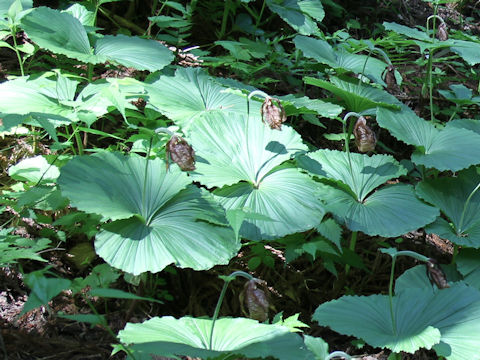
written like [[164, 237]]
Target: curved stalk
[[227, 280], [390, 296], [462, 218], [338, 354], [430, 60], [381, 52], [17, 52], [347, 140]]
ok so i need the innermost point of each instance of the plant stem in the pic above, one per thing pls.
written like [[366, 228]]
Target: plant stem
[[78, 139], [347, 145], [257, 23], [353, 243], [338, 354], [227, 280], [19, 57], [223, 28], [430, 60], [390, 296], [462, 218]]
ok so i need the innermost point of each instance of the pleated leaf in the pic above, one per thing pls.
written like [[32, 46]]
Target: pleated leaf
[[286, 197], [191, 92], [448, 320], [468, 264], [451, 148], [62, 33], [389, 211], [367, 172], [235, 336], [241, 158], [155, 214], [324, 53], [452, 196], [301, 15], [357, 98], [141, 54], [232, 148], [25, 95]]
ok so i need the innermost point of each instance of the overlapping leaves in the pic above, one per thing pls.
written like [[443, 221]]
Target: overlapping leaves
[[241, 156], [389, 211], [155, 215], [191, 336], [63, 33], [459, 199], [447, 320], [452, 148]]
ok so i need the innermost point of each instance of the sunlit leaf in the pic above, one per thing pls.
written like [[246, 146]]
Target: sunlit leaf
[[459, 199], [191, 336], [156, 214]]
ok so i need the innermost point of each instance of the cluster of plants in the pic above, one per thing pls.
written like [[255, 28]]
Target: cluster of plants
[[173, 165]]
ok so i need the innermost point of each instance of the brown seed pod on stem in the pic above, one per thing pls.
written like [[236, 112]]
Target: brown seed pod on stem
[[442, 33], [365, 138], [436, 275], [255, 297], [273, 114], [181, 153], [389, 77]]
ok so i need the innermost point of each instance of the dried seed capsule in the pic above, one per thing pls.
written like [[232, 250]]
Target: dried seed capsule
[[442, 33], [256, 299], [389, 77], [365, 138], [181, 153], [273, 114], [436, 275]]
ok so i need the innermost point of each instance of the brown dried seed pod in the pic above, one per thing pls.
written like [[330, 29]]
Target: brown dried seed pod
[[181, 153], [365, 138], [436, 275], [442, 33], [273, 114], [256, 299], [389, 77]]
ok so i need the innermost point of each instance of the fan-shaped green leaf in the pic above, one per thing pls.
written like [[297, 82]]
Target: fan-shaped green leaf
[[241, 155], [389, 211], [35, 170], [449, 149], [322, 52], [459, 199], [422, 318], [25, 95], [468, 50], [232, 148], [468, 264], [304, 105], [191, 336], [59, 32], [285, 196], [192, 92], [407, 31], [362, 173], [156, 213], [141, 54], [415, 277], [357, 98], [63, 33], [299, 14]]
